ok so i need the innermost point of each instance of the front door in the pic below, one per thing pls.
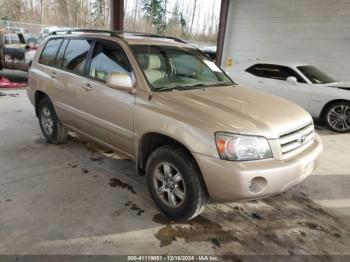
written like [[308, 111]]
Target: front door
[[108, 112], [14, 52]]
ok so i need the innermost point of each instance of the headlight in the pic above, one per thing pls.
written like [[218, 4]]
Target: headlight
[[242, 148]]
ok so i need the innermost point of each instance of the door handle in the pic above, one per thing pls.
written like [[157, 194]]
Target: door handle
[[87, 87], [261, 82], [53, 75]]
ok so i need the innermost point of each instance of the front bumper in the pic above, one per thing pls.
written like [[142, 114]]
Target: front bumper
[[229, 181]]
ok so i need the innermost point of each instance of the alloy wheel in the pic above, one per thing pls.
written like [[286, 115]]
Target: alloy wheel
[[169, 185], [46, 120], [338, 117]]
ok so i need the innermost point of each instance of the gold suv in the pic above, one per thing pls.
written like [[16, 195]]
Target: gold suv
[[191, 130]]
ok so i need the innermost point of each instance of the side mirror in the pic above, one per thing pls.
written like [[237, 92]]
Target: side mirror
[[120, 81], [293, 80]]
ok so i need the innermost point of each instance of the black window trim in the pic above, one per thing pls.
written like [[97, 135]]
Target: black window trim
[[300, 76]]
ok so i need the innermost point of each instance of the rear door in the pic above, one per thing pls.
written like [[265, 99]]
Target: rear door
[[41, 75], [273, 79], [108, 113], [68, 76]]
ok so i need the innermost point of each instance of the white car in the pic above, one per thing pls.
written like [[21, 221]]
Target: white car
[[322, 96], [48, 30]]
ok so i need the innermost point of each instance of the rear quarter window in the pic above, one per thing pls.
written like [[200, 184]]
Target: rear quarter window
[[48, 55]]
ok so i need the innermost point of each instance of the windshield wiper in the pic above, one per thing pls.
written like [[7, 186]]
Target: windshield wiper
[[164, 89], [189, 87], [179, 88], [209, 84]]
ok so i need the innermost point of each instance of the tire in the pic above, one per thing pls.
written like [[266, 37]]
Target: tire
[[191, 187], [337, 117], [50, 125]]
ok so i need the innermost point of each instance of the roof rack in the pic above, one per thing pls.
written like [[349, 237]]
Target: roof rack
[[70, 31], [114, 33], [154, 35]]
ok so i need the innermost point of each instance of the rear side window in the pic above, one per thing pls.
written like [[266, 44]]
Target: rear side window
[[274, 72], [76, 54], [48, 56], [108, 57]]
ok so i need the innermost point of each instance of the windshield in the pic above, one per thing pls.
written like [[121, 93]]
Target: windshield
[[177, 68], [315, 75]]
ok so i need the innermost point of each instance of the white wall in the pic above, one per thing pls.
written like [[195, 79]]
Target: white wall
[[312, 31]]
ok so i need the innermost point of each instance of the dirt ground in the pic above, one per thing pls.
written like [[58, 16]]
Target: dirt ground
[[78, 198]]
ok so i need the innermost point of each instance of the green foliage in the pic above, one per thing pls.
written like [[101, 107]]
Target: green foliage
[[155, 10], [177, 23]]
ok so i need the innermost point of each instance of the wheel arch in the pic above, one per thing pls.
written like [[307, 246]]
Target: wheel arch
[[39, 95], [149, 142]]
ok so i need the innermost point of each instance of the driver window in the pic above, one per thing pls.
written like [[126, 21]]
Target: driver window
[[108, 57]]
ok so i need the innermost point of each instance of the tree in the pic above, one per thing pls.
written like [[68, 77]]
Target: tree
[[175, 19], [100, 12], [155, 12], [183, 24], [177, 23]]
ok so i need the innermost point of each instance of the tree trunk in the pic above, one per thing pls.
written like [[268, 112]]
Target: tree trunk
[[194, 10]]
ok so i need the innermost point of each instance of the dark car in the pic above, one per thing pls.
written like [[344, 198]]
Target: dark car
[[15, 51]]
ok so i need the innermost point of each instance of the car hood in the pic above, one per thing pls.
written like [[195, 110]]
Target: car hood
[[234, 109], [341, 85]]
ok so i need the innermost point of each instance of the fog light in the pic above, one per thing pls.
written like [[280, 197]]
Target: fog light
[[257, 185]]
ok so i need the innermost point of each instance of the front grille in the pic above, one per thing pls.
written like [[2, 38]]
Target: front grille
[[294, 142]]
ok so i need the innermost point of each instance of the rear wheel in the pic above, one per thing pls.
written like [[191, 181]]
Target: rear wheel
[[175, 183], [50, 125], [337, 117]]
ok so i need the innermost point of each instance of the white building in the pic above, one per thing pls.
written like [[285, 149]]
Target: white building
[[312, 31]]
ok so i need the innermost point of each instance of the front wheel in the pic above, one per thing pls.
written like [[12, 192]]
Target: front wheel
[[175, 183], [337, 117], [50, 125]]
